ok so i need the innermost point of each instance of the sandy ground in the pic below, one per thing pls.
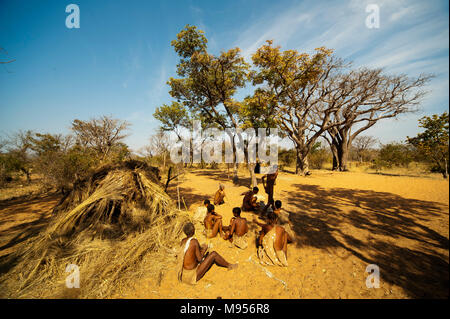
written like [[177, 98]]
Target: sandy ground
[[343, 223]]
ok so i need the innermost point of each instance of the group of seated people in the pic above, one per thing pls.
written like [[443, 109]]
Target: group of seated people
[[195, 259]]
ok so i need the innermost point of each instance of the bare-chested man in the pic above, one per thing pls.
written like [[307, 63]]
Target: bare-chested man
[[283, 220], [268, 182], [193, 259], [272, 242], [237, 230], [220, 195], [213, 223], [249, 203]]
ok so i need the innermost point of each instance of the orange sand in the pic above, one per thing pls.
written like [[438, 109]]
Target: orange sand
[[343, 221]]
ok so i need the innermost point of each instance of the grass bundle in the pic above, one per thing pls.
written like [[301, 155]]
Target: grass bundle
[[116, 226]]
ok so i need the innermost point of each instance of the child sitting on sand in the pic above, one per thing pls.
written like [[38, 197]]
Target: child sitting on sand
[[220, 195], [213, 223], [238, 230]]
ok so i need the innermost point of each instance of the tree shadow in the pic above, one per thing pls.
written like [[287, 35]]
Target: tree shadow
[[37, 213], [388, 223], [221, 176], [188, 196]]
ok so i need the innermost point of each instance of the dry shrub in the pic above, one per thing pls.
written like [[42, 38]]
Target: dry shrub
[[116, 226]]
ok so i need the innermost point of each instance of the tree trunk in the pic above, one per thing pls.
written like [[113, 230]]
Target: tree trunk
[[302, 165], [251, 168], [343, 157], [235, 166], [334, 151], [445, 173]]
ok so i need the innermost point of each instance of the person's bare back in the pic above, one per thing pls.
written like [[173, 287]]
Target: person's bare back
[[239, 226], [195, 260]]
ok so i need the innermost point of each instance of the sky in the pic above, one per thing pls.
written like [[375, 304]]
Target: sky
[[118, 61]]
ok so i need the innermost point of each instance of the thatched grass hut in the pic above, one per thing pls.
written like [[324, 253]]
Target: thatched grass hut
[[115, 226]]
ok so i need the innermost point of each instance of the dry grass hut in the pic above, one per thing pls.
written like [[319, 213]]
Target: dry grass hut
[[115, 226]]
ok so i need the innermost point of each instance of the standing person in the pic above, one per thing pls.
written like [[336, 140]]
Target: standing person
[[238, 230], [268, 182], [213, 223], [194, 260], [220, 195]]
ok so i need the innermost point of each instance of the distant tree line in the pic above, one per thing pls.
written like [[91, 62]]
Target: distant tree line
[[59, 160]]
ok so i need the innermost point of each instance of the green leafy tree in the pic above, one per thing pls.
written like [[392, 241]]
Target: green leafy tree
[[173, 118], [207, 83], [434, 141], [394, 154]]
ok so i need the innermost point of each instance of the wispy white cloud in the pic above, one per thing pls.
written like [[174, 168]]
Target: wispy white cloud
[[412, 39]]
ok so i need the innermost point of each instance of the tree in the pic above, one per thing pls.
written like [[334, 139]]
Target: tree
[[18, 153], [101, 134], [318, 155], [207, 83], [298, 82], [257, 111], [362, 145], [363, 97], [394, 154], [159, 146], [173, 118], [434, 141], [59, 161]]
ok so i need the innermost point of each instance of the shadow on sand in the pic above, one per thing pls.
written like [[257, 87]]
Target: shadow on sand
[[320, 221]]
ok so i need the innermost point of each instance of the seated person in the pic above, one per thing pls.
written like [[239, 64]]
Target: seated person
[[272, 242], [193, 259], [249, 202], [283, 220], [238, 230], [201, 211], [213, 223], [219, 196]]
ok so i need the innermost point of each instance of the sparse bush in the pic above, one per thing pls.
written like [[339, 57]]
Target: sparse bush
[[393, 154], [319, 155]]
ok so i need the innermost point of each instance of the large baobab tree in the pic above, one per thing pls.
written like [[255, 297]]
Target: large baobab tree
[[301, 85], [364, 97]]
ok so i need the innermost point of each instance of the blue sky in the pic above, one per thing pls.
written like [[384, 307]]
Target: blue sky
[[118, 61]]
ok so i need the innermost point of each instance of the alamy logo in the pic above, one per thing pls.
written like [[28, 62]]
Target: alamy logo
[[73, 19], [73, 279], [373, 279], [373, 19]]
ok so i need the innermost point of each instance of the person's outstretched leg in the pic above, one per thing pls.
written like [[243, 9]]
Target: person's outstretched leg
[[217, 228], [212, 258]]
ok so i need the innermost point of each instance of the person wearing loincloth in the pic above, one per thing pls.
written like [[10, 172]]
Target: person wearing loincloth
[[212, 222], [283, 221], [238, 230], [249, 202], [194, 260], [220, 195], [272, 243]]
